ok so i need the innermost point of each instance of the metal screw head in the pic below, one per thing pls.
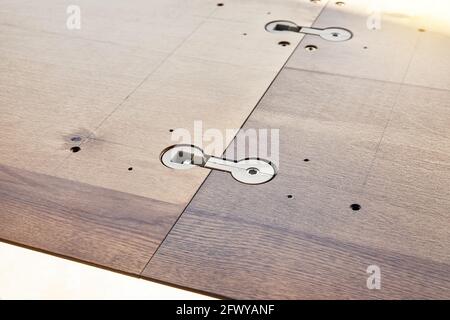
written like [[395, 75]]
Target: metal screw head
[[253, 171], [310, 47], [182, 157]]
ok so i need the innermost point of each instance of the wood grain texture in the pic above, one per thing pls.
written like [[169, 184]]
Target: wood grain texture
[[130, 75], [371, 116], [399, 47], [369, 142], [116, 88], [381, 54], [97, 225], [433, 72]]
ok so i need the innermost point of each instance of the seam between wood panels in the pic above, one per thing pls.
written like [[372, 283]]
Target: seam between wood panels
[[391, 113], [64, 36], [242, 125], [401, 83], [120, 104]]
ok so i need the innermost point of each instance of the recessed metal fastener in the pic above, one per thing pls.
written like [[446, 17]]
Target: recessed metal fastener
[[331, 34], [310, 47], [249, 171]]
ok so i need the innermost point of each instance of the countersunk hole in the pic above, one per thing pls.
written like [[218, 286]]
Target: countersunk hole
[[290, 196], [355, 207], [340, 3], [75, 139], [220, 4], [421, 30], [310, 47], [252, 171], [130, 169], [75, 149], [284, 43], [306, 160]]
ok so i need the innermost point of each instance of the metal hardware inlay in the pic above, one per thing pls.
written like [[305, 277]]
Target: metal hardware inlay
[[330, 34], [250, 171]]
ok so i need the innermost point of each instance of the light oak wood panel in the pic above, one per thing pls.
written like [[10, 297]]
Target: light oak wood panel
[[414, 155], [262, 11], [114, 229], [133, 170], [245, 241], [115, 88], [240, 44], [381, 54], [144, 26], [430, 66], [383, 146], [54, 278], [250, 259], [182, 91], [403, 47], [54, 88], [178, 93], [89, 75]]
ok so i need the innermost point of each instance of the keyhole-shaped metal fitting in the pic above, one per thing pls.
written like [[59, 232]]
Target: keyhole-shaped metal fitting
[[331, 34], [250, 171]]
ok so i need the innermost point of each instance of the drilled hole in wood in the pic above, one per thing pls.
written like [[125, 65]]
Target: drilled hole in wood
[[310, 47], [75, 149], [289, 196], [306, 160], [220, 4], [130, 169], [355, 207], [284, 43], [171, 130]]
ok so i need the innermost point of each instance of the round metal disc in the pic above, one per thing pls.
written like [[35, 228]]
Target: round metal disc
[[336, 34], [253, 171]]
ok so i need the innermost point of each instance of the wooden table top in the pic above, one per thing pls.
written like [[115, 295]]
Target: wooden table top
[[363, 173], [364, 124]]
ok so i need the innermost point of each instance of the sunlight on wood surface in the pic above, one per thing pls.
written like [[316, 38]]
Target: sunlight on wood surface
[[432, 14]]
